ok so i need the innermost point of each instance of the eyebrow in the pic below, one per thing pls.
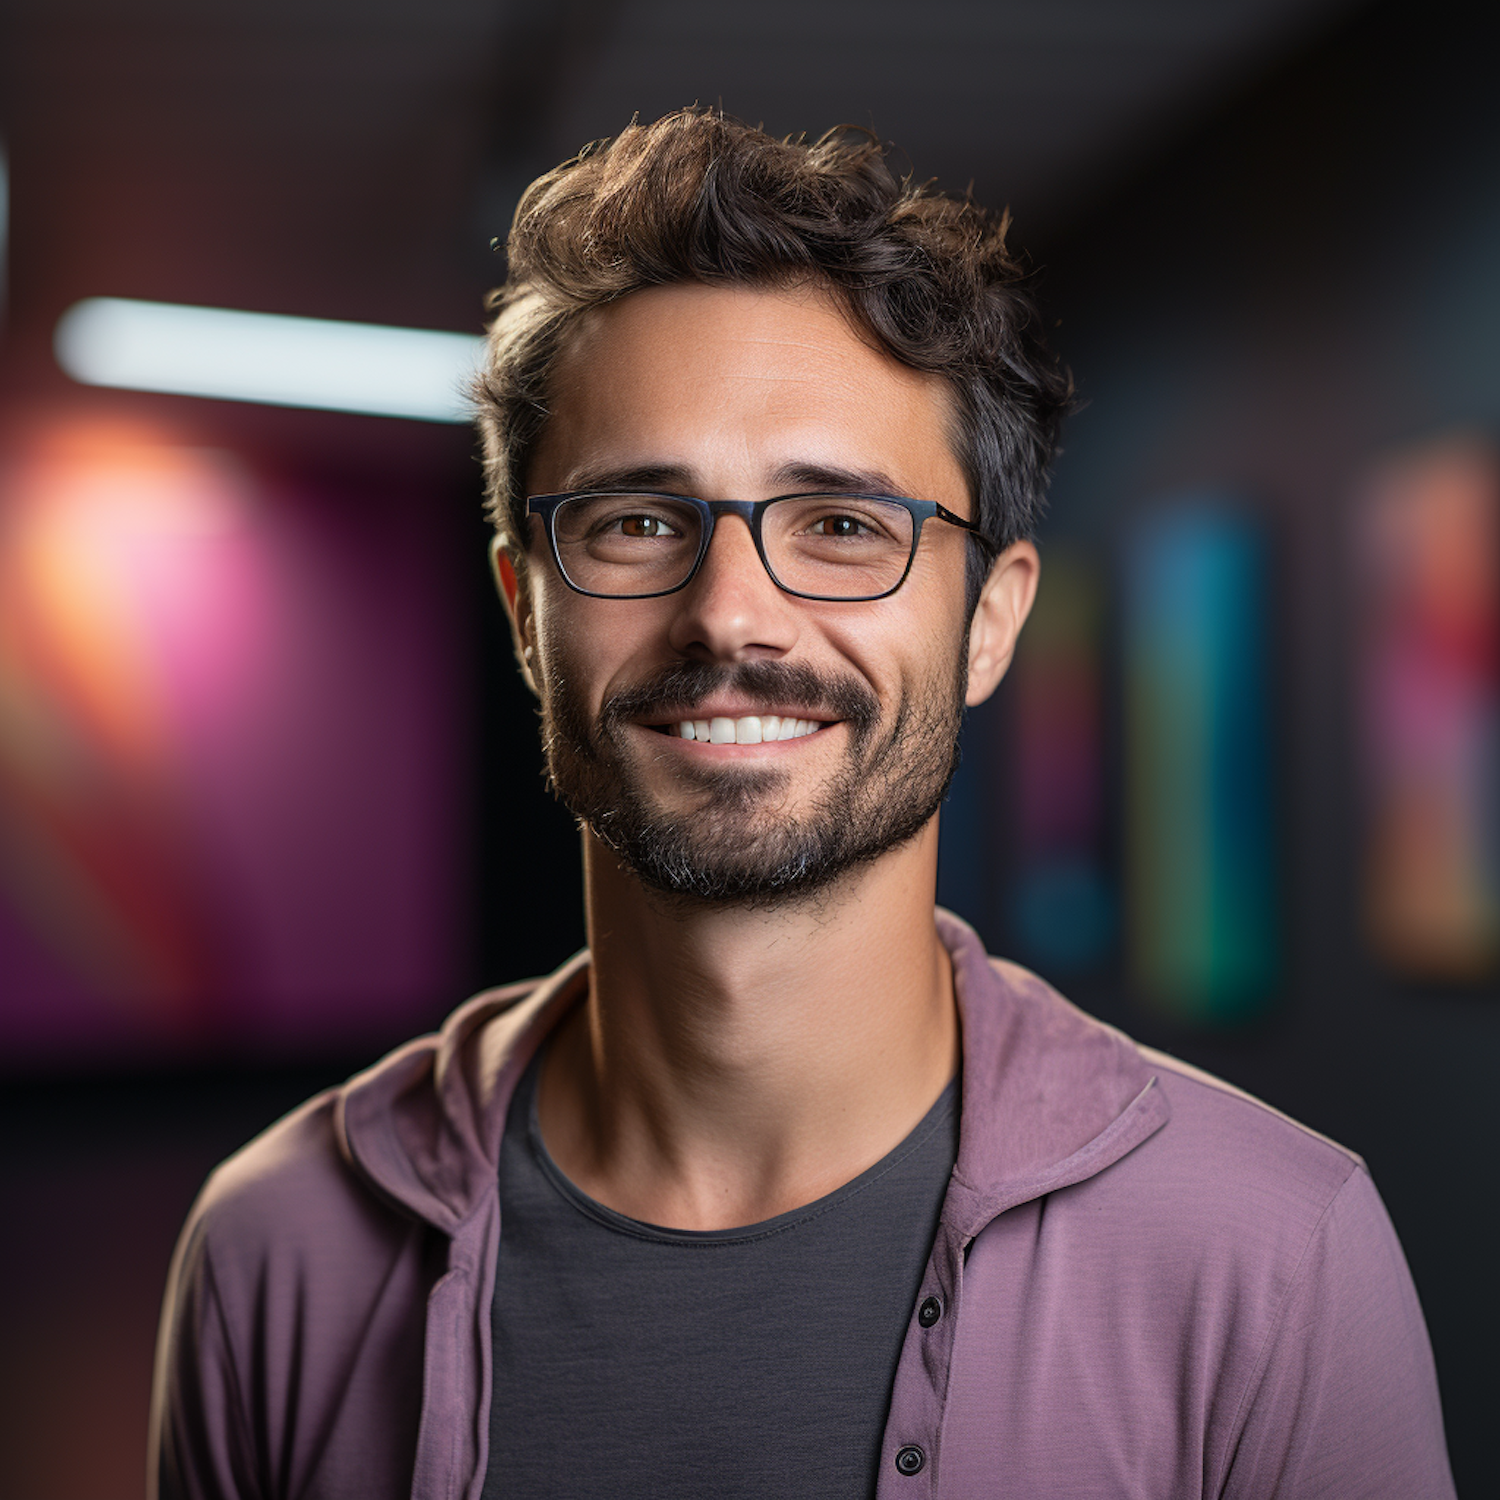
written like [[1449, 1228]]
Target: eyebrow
[[832, 477], [790, 478], [633, 477]]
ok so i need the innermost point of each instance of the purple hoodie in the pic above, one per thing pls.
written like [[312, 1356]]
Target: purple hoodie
[[1151, 1284]]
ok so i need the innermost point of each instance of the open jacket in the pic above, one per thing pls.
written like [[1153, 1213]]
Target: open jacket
[[1150, 1284]]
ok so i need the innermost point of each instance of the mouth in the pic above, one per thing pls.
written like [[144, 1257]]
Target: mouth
[[746, 729]]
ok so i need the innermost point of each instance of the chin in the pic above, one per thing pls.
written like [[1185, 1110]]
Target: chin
[[745, 856]]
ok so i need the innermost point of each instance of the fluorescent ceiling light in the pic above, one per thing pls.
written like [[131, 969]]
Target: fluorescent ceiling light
[[244, 356]]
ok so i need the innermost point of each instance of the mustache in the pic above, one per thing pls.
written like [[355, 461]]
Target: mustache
[[677, 688]]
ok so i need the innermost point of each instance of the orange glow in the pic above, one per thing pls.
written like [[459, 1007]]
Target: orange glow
[[118, 560], [93, 519]]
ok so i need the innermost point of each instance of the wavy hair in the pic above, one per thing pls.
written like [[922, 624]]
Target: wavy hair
[[699, 197]]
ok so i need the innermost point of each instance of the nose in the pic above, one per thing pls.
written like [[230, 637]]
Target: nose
[[732, 611]]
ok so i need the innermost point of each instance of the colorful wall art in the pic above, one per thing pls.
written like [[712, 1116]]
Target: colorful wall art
[[230, 724], [1199, 828], [1062, 904], [1427, 552]]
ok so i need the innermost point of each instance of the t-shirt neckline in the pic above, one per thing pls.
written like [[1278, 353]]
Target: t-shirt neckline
[[527, 1091]]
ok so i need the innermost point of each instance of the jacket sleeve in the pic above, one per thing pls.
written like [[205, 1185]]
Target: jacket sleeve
[[201, 1447], [1346, 1402], [291, 1354]]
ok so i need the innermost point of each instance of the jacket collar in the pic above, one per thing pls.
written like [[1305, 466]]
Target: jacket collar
[[1050, 1095], [424, 1124]]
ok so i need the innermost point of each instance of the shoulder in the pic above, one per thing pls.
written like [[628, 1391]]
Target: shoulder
[[1282, 1260], [290, 1273], [292, 1188], [1228, 1194], [290, 1165], [349, 1173], [1228, 1277], [294, 1324], [1217, 1148], [1236, 1155], [1235, 1232], [1147, 1154]]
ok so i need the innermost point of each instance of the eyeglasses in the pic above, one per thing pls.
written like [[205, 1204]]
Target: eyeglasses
[[643, 545]]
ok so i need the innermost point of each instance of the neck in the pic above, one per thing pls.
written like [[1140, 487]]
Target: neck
[[732, 1063]]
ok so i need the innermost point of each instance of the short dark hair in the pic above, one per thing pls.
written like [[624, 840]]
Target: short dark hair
[[699, 197]]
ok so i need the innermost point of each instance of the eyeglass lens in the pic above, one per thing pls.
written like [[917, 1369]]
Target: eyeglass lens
[[835, 546]]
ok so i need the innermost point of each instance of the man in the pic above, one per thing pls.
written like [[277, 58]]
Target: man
[[783, 1188]]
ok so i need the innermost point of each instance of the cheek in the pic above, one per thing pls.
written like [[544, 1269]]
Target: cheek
[[912, 653], [589, 648], [558, 664]]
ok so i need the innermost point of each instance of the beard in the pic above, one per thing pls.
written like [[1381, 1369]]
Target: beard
[[736, 844]]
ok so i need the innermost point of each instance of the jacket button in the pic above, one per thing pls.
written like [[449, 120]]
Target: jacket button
[[910, 1459], [929, 1312]]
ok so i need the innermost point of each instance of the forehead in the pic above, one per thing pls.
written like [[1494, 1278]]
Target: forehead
[[735, 388]]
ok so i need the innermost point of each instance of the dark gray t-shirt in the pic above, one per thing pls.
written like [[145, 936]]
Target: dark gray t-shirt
[[631, 1360]]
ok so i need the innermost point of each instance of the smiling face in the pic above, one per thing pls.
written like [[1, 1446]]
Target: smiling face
[[832, 727]]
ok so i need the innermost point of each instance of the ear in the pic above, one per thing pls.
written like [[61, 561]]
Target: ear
[[516, 597], [1004, 602]]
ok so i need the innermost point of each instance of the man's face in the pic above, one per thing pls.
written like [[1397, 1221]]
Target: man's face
[[745, 394]]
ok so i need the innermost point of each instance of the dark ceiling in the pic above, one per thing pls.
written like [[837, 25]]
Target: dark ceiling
[[352, 159]]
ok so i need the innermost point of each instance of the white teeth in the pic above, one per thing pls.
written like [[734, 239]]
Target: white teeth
[[752, 729]]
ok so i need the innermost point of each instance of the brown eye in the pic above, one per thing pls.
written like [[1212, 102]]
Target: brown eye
[[642, 526], [840, 526]]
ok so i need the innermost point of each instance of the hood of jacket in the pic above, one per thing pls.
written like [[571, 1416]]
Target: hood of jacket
[[1050, 1096]]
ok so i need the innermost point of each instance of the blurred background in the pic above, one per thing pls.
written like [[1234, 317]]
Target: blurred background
[[270, 797]]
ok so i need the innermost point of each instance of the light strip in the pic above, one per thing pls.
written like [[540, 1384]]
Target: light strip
[[263, 357]]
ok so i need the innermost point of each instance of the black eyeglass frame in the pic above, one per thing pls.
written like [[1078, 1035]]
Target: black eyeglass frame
[[751, 512]]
